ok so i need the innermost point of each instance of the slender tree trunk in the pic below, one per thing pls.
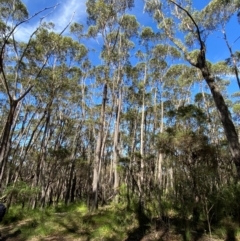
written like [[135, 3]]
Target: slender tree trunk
[[73, 188], [72, 167], [160, 156], [27, 144], [97, 158], [69, 182], [5, 138], [116, 146], [39, 179], [142, 132]]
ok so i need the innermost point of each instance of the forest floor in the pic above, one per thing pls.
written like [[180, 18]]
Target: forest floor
[[108, 224]]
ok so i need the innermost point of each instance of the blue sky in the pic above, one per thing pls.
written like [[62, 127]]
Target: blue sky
[[60, 16], [76, 9], [63, 13]]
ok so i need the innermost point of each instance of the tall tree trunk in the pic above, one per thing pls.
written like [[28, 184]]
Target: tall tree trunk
[[116, 146], [5, 138], [72, 165], [225, 115], [39, 179], [142, 132], [226, 119], [97, 158], [73, 188], [160, 156], [69, 181]]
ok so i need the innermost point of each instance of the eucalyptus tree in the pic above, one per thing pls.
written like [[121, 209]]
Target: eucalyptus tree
[[173, 83], [136, 116], [13, 14], [196, 162], [108, 21], [205, 101], [17, 16], [174, 18], [146, 36], [128, 29], [144, 116], [216, 16], [57, 66], [63, 76], [147, 77]]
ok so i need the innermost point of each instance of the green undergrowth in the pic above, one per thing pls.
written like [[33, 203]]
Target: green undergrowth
[[112, 222], [108, 223]]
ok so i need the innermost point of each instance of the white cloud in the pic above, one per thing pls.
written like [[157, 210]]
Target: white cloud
[[24, 31], [71, 10]]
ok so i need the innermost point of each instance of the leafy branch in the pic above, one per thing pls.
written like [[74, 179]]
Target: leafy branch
[[201, 61]]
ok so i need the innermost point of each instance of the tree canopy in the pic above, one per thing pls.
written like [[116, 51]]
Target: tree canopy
[[142, 116]]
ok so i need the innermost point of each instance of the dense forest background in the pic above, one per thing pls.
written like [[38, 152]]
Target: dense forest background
[[143, 119]]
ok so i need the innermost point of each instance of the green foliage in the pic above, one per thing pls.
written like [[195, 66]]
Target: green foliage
[[106, 229], [193, 55], [200, 97], [60, 154], [99, 12], [13, 9], [113, 222], [227, 230], [218, 13], [14, 214], [61, 119], [21, 191], [92, 31], [147, 34], [220, 68], [187, 235], [74, 207], [191, 111], [226, 202], [77, 29], [104, 232], [130, 25], [124, 161], [236, 109]]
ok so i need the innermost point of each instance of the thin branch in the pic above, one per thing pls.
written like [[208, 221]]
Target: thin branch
[[190, 16], [115, 42], [23, 54], [232, 55], [45, 62], [20, 23], [29, 41], [4, 81], [5, 42], [67, 24], [43, 66], [53, 7], [25, 93], [236, 40], [201, 60]]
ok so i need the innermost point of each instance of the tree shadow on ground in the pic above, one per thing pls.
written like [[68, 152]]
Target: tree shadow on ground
[[138, 233], [188, 230], [91, 225], [13, 236], [72, 227], [231, 233]]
